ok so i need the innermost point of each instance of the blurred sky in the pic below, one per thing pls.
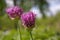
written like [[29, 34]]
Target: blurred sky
[[54, 6], [9, 3]]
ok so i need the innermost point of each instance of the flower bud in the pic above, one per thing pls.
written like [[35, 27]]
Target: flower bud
[[28, 19], [14, 12]]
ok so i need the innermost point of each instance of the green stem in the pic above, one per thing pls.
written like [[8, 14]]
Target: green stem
[[16, 24], [18, 28], [31, 35], [20, 33]]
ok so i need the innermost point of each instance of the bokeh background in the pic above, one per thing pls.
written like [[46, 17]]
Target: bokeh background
[[47, 25]]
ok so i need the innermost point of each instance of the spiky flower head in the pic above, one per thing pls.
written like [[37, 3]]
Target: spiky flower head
[[14, 12], [28, 19]]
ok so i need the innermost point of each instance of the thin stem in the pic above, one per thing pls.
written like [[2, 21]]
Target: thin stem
[[20, 33], [16, 24], [31, 35], [18, 29]]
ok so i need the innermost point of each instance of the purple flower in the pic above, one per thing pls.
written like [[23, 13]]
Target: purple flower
[[14, 12], [28, 19]]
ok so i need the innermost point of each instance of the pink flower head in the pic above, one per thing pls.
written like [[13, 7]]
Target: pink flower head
[[14, 12], [28, 19]]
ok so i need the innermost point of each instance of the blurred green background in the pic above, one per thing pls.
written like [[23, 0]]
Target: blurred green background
[[45, 28]]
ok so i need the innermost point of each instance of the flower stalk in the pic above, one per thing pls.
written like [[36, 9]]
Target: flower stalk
[[14, 14], [31, 37], [17, 27], [19, 33], [28, 21]]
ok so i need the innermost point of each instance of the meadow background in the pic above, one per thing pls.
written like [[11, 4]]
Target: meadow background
[[46, 27]]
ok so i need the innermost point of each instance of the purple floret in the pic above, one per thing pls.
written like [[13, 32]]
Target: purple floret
[[14, 12], [28, 19]]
